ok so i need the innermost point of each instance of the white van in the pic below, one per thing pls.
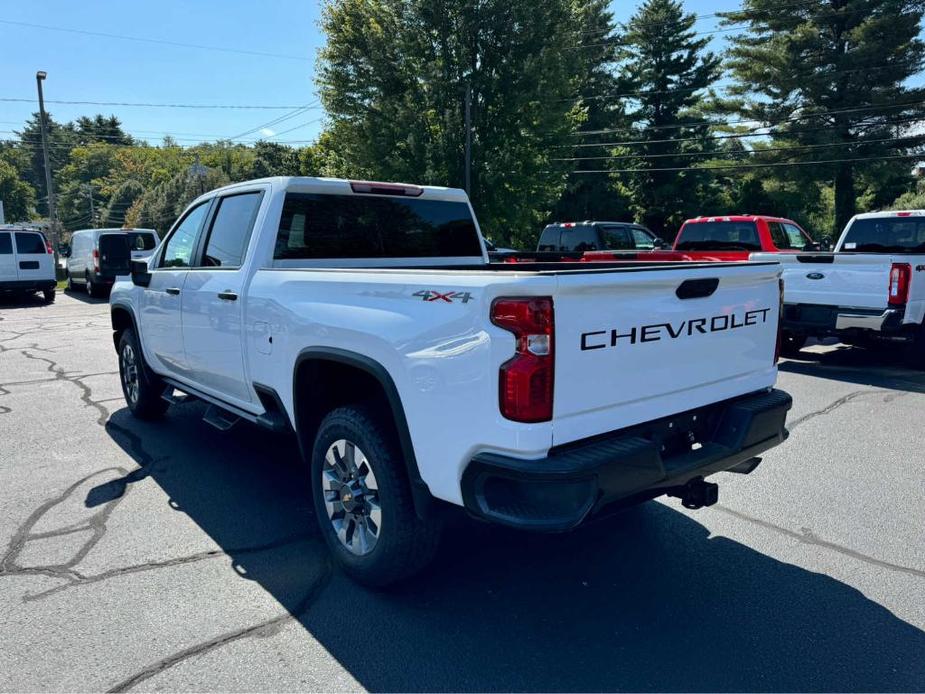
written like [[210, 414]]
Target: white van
[[96, 256], [27, 263]]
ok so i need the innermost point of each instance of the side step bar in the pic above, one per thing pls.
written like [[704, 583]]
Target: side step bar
[[220, 418], [222, 415]]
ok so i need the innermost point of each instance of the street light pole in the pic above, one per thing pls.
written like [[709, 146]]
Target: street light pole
[[49, 186]]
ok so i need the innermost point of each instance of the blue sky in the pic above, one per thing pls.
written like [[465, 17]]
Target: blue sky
[[95, 68]]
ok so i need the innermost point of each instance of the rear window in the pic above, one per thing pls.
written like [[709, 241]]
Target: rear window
[[355, 226], [27, 242], [886, 235], [141, 240], [578, 238], [6, 244], [549, 239], [719, 236]]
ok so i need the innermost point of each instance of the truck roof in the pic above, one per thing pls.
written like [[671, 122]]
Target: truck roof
[[343, 186], [737, 218], [890, 213]]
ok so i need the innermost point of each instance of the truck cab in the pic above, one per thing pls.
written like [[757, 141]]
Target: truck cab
[[735, 237]]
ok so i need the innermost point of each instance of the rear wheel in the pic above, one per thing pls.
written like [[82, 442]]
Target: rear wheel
[[791, 344], [363, 501], [140, 386], [48, 295], [915, 350], [70, 282]]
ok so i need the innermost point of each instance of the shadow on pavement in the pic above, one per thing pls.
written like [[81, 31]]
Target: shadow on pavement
[[880, 367], [647, 600], [80, 294], [19, 300]]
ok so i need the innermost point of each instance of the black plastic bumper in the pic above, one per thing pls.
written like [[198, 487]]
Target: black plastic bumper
[[27, 285], [582, 479], [821, 320]]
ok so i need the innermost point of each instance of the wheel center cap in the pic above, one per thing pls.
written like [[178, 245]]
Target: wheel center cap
[[351, 496]]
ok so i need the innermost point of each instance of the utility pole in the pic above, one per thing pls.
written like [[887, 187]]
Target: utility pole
[[469, 140], [49, 186], [88, 189]]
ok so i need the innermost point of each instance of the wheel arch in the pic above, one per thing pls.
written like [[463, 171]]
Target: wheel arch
[[319, 366]]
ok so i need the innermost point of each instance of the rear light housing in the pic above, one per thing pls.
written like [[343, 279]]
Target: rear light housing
[[525, 381], [48, 248], [376, 188], [900, 275], [96, 259], [780, 321]]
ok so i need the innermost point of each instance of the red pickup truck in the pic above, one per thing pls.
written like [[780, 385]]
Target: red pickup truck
[[734, 237]]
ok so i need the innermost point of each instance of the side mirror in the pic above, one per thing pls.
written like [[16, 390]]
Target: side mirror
[[660, 242], [141, 277], [812, 247]]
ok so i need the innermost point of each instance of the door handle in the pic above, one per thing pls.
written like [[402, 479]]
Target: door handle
[[228, 296], [173, 291]]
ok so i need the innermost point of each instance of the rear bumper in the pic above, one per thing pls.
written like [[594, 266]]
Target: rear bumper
[[820, 320], [27, 285], [584, 478]]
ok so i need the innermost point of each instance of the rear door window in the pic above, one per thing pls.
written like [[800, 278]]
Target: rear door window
[[549, 239], [719, 236], [359, 226], [231, 230], [617, 238], [6, 244], [579, 238], [778, 235], [29, 243]]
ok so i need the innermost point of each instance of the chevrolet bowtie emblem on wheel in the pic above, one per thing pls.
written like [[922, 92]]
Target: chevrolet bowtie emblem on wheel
[[815, 276]]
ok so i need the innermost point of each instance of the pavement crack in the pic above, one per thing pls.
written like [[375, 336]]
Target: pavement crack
[[844, 400], [264, 628], [806, 536]]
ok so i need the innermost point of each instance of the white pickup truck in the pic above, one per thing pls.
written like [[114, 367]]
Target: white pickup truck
[[367, 319], [870, 289]]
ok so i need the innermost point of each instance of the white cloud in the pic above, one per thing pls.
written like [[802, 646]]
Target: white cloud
[[266, 132]]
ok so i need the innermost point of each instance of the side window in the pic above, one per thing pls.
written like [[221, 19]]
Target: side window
[[796, 237], [27, 243], [617, 239], [579, 238], [549, 239], [179, 249], [231, 229], [642, 240], [6, 244], [778, 235]]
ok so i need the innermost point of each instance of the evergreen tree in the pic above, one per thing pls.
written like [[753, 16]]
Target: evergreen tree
[[668, 70], [829, 75]]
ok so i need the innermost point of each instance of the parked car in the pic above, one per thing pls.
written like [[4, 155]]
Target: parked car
[[580, 237], [416, 375], [87, 260], [735, 237], [871, 289], [27, 262]]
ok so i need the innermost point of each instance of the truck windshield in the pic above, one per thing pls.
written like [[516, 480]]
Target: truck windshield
[[719, 236], [359, 226], [886, 235]]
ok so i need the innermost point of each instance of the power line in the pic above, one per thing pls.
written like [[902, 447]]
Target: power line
[[162, 42], [151, 105], [281, 119]]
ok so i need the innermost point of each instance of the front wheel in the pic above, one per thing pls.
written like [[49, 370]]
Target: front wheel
[[142, 389], [362, 499], [48, 295]]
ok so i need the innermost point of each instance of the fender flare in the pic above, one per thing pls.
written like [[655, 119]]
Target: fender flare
[[421, 496]]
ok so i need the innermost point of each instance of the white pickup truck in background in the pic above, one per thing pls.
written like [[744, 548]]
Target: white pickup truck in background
[[870, 289], [367, 319]]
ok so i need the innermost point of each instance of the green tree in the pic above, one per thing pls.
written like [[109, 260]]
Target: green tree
[[273, 159], [61, 138], [393, 78], [121, 202], [18, 197], [667, 70], [100, 128], [160, 206], [829, 77]]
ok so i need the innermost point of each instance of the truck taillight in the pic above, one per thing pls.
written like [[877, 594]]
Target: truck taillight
[[48, 248], [780, 321], [900, 274], [96, 259], [526, 379]]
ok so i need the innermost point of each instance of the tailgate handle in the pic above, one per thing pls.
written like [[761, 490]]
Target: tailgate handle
[[808, 258], [28, 265], [696, 289]]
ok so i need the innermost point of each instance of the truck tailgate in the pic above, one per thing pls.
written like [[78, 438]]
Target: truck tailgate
[[635, 346], [834, 279]]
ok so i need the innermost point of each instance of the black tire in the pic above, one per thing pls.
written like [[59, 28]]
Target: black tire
[[48, 295], [92, 289], [144, 401], [404, 544], [915, 350], [791, 344], [70, 283]]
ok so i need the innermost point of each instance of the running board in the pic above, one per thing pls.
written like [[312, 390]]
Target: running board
[[220, 418], [170, 395]]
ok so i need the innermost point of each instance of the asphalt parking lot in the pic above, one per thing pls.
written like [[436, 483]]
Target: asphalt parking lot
[[172, 556]]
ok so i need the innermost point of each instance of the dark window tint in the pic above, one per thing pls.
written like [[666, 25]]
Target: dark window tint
[[778, 235], [719, 236], [141, 241], [549, 239], [617, 239], [179, 249], [29, 243], [6, 244], [357, 226], [886, 235], [579, 238], [231, 229]]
